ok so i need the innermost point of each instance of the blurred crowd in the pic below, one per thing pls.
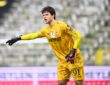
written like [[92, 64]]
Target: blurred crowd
[[90, 17]]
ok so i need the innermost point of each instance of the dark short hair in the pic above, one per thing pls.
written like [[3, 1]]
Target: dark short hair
[[49, 9]]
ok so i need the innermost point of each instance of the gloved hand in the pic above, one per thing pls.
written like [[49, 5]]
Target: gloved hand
[[70, 56], [13, 40]]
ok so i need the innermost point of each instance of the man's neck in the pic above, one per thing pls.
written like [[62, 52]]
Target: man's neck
[[52, 23]]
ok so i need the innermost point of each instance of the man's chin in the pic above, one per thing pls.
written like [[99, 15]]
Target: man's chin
[[46, 22]]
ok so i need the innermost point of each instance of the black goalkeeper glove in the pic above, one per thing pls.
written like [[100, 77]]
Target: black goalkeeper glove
[[13, 40], [70, 56]]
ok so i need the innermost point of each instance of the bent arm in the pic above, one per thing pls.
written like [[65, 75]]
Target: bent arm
[[77, 38]]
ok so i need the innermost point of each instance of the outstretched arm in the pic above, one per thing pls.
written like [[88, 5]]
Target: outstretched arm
[[25, 37], [32, 36]]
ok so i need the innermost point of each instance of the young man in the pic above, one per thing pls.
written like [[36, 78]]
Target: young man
[[64, 42]]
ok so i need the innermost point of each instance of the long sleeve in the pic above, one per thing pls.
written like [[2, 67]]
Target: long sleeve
[[33, 35]]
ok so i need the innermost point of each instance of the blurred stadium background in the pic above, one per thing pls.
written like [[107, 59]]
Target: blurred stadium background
[[90, 17]]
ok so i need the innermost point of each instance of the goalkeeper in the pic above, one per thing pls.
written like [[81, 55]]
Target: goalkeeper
[[64, 42]]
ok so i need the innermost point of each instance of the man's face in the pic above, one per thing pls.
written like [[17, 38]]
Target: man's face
[[47, 17]]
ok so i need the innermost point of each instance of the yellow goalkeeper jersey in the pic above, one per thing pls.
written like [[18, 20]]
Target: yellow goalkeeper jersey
[[61, 37]]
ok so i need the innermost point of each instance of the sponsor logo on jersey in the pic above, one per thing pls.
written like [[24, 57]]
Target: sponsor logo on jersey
[[55, 39]]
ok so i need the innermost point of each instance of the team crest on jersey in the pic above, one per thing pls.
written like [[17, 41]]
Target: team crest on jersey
[[54, 36]]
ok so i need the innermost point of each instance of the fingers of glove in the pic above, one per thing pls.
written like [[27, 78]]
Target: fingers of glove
[[72, 62], [9, 42], [71, 59]]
